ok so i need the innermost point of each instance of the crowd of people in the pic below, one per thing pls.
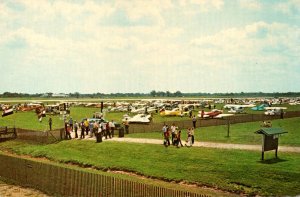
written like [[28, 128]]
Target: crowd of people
[[89, 128], [175, 134], [99, 129]]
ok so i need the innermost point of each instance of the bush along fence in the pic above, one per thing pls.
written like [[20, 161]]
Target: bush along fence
[[184, 124], [58, 180], [7, 133], [41, 136]]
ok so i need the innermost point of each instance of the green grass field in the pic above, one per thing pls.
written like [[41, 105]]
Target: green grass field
[[239, 133], [242, 133], [231, 170], [28, 120]]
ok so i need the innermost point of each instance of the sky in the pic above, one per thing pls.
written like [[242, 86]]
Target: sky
[[143, 45]]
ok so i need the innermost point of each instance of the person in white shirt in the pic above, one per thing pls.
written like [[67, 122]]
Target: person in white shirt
[[112, 127], [173, 129]]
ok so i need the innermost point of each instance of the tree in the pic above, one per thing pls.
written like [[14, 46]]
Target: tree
[[168, 94], [178, 94], [153, 93]]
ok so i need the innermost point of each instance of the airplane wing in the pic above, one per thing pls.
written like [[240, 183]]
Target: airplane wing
[[223, 115], [270, 108]]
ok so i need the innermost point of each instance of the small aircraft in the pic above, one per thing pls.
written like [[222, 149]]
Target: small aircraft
[[30, 106], [173, 112], [139, 118], [237, 109], [260, 107], [211, 114], [229, 106], [272, 111], [223, 115], [7, 112]]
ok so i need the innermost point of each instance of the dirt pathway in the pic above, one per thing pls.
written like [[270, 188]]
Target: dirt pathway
[[210, 144]]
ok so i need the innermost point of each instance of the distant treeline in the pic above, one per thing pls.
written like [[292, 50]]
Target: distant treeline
[[153, 94]]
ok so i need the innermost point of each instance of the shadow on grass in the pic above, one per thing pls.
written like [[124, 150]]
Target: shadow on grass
[[272, 161], [7, 139]]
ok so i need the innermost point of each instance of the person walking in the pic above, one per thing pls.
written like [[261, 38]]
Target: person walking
[[91, 126], [164, 130], [194, 121], [112, 128], [82, 130], [86, 126], [103, 126], [189, 138], [71, 123], [95, 129], [50, 123], [76, 128], [190, 113], [108, 130], [179, 139], [167, 136], [192, 131], [126, 124], [173, 129], [68, 131], [202, 113]]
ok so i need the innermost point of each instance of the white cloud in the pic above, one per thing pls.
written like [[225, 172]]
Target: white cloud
[[251, 4], [203, 4], [259, 44], [82, 38], [291, 7]]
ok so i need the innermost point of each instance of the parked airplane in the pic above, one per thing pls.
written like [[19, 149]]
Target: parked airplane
[[260, 107], [173, 112], [237, 109], [211, 114], [272, 111], [7, 112], [139, 118], [229, 106], [223, 115]]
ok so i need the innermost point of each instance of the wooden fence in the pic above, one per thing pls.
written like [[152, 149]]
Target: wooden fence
[[57, 180], [59, 134]]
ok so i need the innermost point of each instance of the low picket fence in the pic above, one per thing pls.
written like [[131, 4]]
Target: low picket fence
[[63, 181]]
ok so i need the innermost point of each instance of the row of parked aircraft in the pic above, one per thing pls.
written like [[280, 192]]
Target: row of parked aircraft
[[164, 107]]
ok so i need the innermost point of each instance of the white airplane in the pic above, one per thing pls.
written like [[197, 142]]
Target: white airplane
[[138, 110], [294, 103], [229, 106], [7, 112], [236, 109], [267, 108], [139, 118], [272, 111], [223, 115]]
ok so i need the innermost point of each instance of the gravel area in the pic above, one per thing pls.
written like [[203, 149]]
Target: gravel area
[[9, 190]]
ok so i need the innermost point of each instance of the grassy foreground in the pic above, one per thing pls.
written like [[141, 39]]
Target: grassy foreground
[[231, 170]]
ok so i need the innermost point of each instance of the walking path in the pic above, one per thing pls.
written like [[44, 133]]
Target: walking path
[[209, 144], [202, 144]]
